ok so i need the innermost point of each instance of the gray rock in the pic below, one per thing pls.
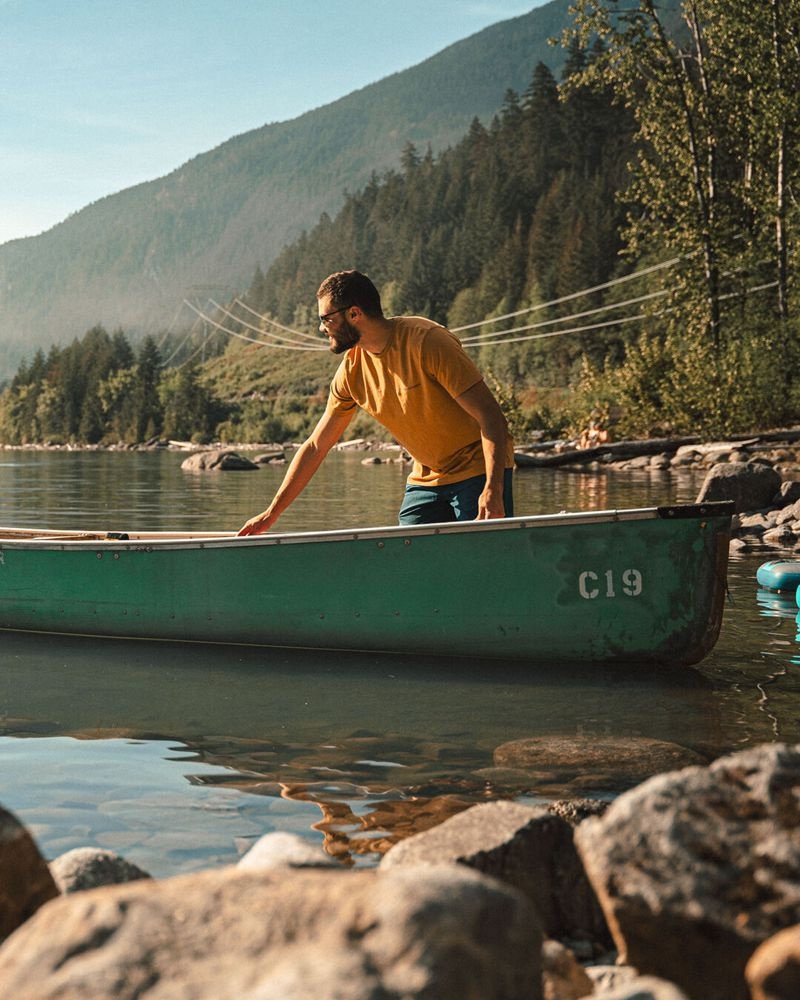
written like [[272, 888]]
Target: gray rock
[[575, 811], [751, 485], [25, 880], [528, 848], [645, 988], [788, 493], [694, 869], [90, 867], [285, 850], [607, 977], [222, 460], [685, 457], [779, 536], [754, 524], [562, 977], [442, 932], [276, 457], [773, 972], [789, 512]]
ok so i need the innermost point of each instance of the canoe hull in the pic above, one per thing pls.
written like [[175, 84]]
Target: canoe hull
[[635, 586]]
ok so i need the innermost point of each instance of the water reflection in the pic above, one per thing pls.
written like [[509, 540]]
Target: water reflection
[[776, 605], [380, 745]]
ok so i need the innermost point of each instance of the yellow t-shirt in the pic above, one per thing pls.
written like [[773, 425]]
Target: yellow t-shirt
[[410, 388]]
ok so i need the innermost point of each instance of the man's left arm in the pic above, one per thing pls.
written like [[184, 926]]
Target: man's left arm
[[480, 404]]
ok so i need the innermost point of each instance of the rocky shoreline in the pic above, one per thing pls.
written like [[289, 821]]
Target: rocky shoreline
[[686, 887]]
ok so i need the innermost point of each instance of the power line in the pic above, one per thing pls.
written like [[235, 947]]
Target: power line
[[573, 295], [252, 340], [273, 322], [255, 329], [574, 329], [485, 338], [610, 322], [180, 346]]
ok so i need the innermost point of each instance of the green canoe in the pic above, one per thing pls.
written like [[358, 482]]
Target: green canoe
[[606, 586]]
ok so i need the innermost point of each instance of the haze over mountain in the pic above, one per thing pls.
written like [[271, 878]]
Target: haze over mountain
[[131, 258]]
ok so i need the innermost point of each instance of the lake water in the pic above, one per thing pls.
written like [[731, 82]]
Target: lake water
[[179, 757]]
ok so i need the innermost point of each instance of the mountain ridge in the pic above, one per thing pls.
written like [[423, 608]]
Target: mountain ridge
[[128, 259]]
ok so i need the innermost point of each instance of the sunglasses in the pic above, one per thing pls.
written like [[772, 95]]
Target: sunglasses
[[324, 319]]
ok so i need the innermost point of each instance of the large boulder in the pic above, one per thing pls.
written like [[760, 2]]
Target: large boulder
[[25, 879], [529, 848], [695, 868], [221, 460], [253, 935], [751, 485]]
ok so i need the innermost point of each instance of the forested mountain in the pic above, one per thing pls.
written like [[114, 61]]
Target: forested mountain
[[517, 213], [128, 260]]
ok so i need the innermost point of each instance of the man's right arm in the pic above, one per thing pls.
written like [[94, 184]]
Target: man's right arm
[[305, 463]]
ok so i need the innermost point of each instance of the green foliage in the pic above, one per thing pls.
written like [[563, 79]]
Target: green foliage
[[669, 384], [97, 391]]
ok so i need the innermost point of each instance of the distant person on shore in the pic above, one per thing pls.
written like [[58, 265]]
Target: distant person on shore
[[596, 433], [415, 378]]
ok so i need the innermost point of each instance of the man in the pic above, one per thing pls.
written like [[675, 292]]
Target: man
[[415, 378]]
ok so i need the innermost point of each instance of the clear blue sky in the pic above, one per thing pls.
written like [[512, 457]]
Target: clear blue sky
[[98, 95]]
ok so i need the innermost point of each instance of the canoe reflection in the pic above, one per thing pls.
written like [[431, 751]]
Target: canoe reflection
[[383, 746]]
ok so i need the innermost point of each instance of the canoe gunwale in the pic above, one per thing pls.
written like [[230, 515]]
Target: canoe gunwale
[[14, 538]]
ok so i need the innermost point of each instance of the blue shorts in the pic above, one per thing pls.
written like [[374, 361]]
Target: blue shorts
[[455, 502]]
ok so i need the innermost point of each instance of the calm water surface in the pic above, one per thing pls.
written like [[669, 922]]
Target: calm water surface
[[179, 757]]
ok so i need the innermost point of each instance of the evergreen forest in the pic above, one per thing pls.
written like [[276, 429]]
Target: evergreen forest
[[621, 238]]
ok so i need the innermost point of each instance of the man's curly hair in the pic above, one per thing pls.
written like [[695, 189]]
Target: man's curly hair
[[352, 288]]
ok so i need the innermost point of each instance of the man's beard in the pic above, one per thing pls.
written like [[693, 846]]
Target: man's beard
[[344, 338]]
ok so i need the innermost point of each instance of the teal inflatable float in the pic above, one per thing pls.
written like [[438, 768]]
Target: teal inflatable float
[[779, 575]]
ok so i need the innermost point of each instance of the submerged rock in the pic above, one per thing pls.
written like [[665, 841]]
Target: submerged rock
[[600, 761]]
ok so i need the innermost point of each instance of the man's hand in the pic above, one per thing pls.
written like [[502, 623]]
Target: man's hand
[[490, 504], [257, 525]]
